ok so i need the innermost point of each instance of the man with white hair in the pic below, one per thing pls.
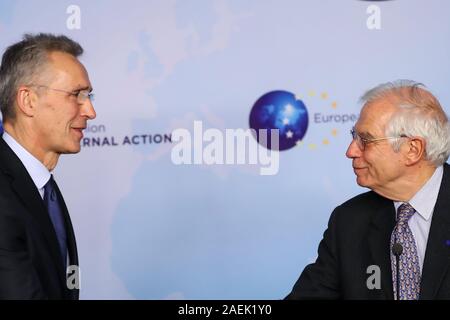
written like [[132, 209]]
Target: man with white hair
[[392, 242]]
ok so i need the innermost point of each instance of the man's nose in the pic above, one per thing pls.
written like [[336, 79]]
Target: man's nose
[[88, 110], [353, 151]]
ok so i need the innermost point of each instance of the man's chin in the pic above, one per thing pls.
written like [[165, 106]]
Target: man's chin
[[361, 182], [73, 149], [76, 150]]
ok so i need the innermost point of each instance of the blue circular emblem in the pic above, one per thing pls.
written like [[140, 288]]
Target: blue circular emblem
[[280, 110]]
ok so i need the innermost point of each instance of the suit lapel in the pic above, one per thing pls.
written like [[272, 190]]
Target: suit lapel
[[379, 237], [437, 255], [26, 191]]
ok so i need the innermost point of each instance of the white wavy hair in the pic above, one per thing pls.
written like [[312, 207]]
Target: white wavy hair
[[419, 115]]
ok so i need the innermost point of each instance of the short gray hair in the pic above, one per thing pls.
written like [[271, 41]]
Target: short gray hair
[[24, 61], [420, 115]]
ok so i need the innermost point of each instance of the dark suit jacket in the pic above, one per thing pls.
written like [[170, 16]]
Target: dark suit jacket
[[358, 236], [31, 266]]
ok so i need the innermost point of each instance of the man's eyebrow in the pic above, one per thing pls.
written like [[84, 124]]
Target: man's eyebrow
[[366, 135], [88, 88]]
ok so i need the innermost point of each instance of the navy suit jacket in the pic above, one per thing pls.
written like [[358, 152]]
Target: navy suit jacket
[[31, 266], [358, 236]]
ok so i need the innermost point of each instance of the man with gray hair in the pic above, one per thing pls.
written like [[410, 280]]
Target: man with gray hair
[[392, 242], [45, 99]]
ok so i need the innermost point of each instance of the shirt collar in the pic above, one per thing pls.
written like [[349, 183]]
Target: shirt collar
[[425, 199], [36, 169]]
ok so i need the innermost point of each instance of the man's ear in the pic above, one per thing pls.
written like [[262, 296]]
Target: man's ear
[[415, 150], [26, 101]]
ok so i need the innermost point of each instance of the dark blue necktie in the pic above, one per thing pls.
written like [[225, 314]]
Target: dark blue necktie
[[54, 210]]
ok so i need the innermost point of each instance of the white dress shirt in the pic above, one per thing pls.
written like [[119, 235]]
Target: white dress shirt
[[36, 169]]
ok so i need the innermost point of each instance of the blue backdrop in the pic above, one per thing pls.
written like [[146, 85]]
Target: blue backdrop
[[150, 229]]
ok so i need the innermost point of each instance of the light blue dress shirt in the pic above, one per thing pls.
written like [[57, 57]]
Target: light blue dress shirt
[[423, 202]]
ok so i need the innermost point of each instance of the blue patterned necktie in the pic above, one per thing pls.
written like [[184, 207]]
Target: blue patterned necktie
[[54, 210], [409, 268]]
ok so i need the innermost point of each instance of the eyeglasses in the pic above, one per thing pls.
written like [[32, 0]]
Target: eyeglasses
[[363, 142], [80, 95]]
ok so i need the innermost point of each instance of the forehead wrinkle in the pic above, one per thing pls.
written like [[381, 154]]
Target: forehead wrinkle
[[374, 117], [68, 71]]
